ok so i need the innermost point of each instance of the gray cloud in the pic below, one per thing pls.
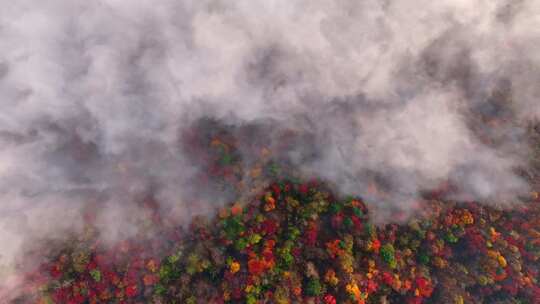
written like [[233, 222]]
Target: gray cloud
[[95, 97]]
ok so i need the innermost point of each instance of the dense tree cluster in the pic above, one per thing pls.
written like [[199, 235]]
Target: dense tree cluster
[[296, 243]]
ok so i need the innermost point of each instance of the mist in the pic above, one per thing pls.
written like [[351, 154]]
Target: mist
[[96, 97]]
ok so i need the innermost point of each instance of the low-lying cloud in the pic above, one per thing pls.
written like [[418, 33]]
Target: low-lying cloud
[[96, 95]]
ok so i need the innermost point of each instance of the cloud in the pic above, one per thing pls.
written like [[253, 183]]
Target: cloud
[[406, 95]]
